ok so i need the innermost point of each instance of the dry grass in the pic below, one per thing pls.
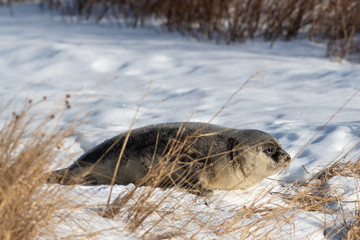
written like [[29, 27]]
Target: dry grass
[[31, 209], [336, 22], [28, 207]]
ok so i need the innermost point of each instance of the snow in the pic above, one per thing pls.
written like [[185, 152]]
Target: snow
[[107, 70]]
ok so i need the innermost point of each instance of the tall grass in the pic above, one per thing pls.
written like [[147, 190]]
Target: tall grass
[[28, 207], [337, 22], [31, 209]]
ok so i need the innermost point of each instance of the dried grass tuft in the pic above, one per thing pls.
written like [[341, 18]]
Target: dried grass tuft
[[28, 207]]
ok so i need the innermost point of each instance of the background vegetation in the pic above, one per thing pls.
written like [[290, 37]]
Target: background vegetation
[[336, 22]]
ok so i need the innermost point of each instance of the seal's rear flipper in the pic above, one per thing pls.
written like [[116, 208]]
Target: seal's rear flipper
[[65, 177], [58, 176]]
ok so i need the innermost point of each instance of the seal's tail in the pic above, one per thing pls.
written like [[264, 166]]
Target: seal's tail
[[59, 176], [65, 176]]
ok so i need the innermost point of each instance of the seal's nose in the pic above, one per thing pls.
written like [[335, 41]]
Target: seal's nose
[[285, 155]]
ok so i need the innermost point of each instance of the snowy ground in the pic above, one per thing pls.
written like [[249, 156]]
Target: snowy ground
[[107, 70]]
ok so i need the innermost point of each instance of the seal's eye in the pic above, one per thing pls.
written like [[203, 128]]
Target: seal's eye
[[269, 150]]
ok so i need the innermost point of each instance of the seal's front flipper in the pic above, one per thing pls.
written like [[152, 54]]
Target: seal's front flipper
[[202, 192]]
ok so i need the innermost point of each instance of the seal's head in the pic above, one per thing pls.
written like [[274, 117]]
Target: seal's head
[[262, 154], [255, 156]]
